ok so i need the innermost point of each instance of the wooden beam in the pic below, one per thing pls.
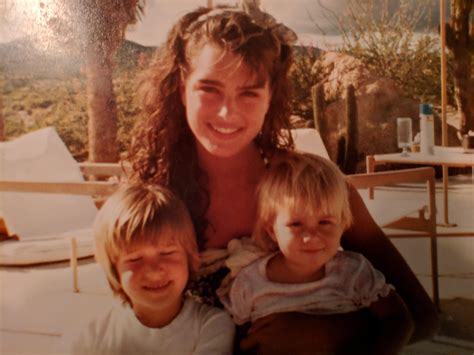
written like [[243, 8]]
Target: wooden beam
[[105, 169], [68, 188], [383, 178]]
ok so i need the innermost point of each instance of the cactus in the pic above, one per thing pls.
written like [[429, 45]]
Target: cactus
[[319, 106], [341, 151], [347, 153], [351, 147]]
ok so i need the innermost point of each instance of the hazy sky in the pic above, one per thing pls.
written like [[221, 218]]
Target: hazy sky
[[161, 14], [22, 17]]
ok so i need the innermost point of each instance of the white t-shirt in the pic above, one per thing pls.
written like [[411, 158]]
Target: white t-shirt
[[197, 329], [350, 282]]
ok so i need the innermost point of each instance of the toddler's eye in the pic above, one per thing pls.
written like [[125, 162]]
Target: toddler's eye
[[326, 222]]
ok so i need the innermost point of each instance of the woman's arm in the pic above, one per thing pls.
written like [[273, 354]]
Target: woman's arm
[[395, 325], [366, 237]]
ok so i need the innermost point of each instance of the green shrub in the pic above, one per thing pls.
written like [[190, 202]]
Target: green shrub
[[383, 35], [302, 79], [31, 104]]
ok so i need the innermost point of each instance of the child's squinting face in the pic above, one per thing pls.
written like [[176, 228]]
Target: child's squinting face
[[307, 242], [154, 275]]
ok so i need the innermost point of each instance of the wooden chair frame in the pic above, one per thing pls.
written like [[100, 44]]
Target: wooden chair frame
[[421, 225]]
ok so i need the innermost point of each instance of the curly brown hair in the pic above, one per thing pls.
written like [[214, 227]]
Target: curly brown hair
[[163, 147]]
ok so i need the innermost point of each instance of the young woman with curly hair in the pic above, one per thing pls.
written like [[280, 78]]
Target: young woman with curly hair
[[216, 105]]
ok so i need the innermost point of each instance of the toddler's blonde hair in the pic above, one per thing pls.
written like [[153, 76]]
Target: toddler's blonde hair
[[137, 213], [300, 181]]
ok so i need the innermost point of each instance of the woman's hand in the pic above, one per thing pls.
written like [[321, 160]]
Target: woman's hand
[[298, 333]]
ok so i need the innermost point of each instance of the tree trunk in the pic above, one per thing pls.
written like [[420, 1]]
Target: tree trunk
[[460, 42], [102, 108]]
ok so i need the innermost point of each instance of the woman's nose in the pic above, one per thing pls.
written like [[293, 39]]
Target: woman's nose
[[226, 110]]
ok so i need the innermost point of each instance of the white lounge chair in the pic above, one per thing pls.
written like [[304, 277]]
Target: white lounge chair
[[42, 223]]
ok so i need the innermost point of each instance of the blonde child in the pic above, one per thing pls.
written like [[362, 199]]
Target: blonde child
[[303, 210], [146, 245]]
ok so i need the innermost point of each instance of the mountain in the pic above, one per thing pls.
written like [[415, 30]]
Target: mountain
[[22, 57], [303, 50], [308, 16], [128, 54]]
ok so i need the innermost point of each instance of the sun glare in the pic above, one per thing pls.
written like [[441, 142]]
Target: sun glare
[[34, 19]]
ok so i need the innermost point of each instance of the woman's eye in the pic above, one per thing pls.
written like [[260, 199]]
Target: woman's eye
[[168, 252], [249, 94]]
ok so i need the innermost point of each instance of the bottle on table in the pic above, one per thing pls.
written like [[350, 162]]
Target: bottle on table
[[426, 129]]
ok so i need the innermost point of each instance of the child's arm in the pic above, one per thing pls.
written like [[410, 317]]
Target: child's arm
[[395, 326], [216, 334]]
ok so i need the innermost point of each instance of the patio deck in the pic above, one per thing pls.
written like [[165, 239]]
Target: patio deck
[[37, 303]]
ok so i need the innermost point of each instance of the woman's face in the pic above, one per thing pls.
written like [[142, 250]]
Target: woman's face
[[225, 102]]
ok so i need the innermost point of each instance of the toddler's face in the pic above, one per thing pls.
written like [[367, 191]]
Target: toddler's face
[[308, 242], [154, 275]]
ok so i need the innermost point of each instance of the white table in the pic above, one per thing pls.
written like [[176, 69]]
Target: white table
[[443, 156]]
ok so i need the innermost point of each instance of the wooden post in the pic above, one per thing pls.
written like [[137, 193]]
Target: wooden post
[[433, 241], [75, 286], [444, 92], [444, 101], [2, 121], [370, 165]]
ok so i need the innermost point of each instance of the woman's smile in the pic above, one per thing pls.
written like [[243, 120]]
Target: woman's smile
[[226, 131]]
